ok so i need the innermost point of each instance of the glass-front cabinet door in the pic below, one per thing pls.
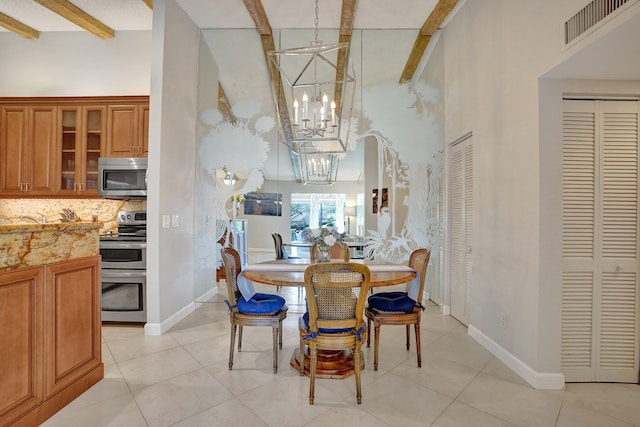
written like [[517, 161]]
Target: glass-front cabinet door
[[83, 130], [94, 135]]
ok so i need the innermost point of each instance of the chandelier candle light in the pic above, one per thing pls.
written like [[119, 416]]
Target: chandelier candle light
[[317, 85]]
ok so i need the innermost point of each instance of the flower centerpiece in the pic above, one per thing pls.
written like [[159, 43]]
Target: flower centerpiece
[[324, 237]]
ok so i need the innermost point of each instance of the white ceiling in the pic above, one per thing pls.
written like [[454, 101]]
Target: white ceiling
[[124, 15]]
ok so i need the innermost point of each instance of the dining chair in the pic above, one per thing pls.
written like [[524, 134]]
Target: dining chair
[[398, 308], [336, 294], [277, 243], [260, 310], [339, 251]]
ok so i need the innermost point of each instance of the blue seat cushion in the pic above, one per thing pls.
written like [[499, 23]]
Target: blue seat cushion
[[397, 302], [305, 318], [261, 304]]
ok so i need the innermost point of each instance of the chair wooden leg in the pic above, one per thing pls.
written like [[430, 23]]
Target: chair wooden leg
[[356, 366], [301, 357], [312, 372], [276, 334], [280, 335], [408, 337], [368, 335], [376, 344], [232, 344], [417, 327], [240, 338]]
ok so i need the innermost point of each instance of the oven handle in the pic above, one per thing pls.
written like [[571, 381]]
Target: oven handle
[[115, 273], [106, 244]]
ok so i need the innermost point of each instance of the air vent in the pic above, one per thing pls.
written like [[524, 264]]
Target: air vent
[[589, 16]]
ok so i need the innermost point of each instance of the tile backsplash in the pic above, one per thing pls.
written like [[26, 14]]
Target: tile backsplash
[[105, 209]]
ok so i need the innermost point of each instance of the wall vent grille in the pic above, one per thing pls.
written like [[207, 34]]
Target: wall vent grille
[[590, 15]]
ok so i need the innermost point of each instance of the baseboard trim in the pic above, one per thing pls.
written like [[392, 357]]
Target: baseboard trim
[[538, 380], [161, 328], [204, 297]]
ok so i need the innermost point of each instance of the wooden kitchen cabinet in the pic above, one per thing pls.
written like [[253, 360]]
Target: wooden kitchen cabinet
[[49, 147], [82, 141], [50, 338], [72, 319], [128, 130], [28, 150], [21, 342]]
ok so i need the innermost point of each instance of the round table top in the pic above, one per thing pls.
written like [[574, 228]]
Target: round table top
[[296, 278]]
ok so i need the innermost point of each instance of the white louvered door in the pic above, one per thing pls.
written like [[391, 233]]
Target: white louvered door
[[461, 228], [600, 293]]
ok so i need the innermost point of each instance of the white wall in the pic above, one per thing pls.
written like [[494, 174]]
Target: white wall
[[172, 136], [75, 64], [495, 53]]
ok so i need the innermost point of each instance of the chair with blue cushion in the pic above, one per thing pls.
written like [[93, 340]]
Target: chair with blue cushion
[[260, 310], [397, 308], [336, 294]]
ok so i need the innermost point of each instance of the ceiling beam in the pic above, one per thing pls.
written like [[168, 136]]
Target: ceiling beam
[[346, 29], [224, 106], [263, 27], [18, 27], [149, 3], [79, 17], [437, 16]]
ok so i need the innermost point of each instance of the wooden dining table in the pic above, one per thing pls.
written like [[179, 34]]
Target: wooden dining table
[[290, 272]]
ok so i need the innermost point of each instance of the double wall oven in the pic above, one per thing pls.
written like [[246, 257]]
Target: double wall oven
[[124, 270]]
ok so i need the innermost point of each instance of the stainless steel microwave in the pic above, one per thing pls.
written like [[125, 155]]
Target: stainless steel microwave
[[122, 178]]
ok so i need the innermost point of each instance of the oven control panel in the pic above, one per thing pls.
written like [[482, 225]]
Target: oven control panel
[[132, 217]]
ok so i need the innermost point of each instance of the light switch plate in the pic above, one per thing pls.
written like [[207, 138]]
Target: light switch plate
[[175, 220], [166, 221]]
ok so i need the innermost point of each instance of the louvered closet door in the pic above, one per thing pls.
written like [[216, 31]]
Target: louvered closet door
[[600, 304], [435, 272], [461, 197]]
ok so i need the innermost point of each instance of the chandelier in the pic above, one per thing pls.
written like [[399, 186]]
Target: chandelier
[[314, 95], [319, 168]]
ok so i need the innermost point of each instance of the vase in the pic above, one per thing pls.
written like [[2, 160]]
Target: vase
[[323, 254]]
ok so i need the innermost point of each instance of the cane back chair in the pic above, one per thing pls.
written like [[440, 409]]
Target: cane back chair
[[397, 308], [260, 310], [336, 294]]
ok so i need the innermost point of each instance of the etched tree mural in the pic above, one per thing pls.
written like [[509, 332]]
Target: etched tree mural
[[239, 149], [409, 142]]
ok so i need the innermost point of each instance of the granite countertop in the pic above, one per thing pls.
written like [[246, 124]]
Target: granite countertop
[[28, 227], [28, 244]]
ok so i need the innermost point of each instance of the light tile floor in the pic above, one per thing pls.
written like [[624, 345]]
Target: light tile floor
[[182, 379]]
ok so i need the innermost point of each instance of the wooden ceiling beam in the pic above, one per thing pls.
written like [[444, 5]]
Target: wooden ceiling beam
[[437, 16], [149, 3], [18, 27], [79, 17], [263, 27], [224, 106], [346, 29]]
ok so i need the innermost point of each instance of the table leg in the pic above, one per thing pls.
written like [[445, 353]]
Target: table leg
[[331, 363]]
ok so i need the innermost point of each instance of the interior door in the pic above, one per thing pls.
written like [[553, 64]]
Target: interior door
[[461, 227], [600, 291]]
